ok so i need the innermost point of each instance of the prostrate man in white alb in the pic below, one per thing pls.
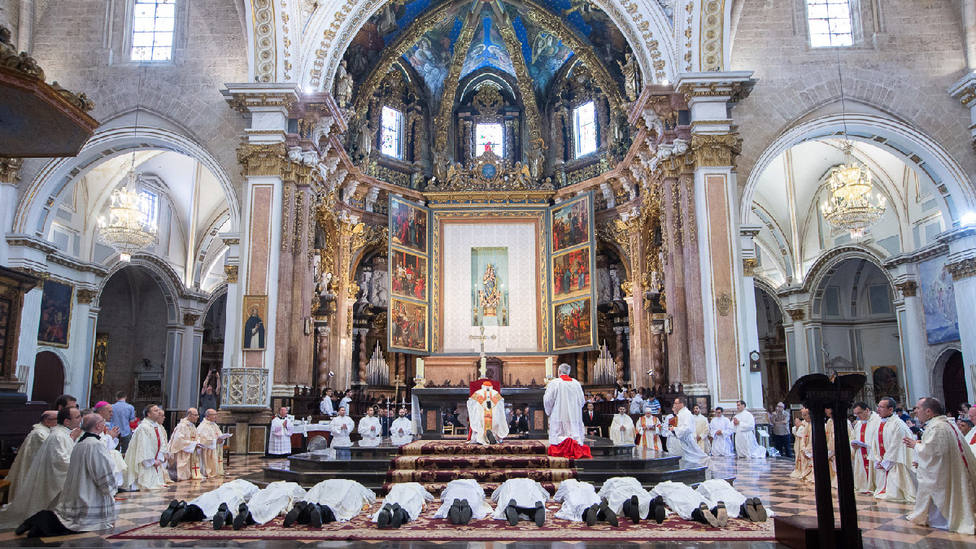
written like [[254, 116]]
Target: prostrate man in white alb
[[47, 473], [87, 501], [563, 401], [331, 500], [946, 497], [894, 480], [403, 503], [863, 436], [462, 501], [145, 459], [486, 415], [718, 490], [746, 445], [275, 499], [28, 450], [721, 430], [341, 427], [215, 505], [370, 429], [521, 498], [627, 497], [622, 427], [580, 503], [183, 444], [279, 443], [401, 431], [683, 436]]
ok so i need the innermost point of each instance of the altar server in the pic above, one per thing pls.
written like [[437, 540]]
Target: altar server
[[28, 450], [215, 504], [370, 429], [649, 431], [946, 497], [411, 497], [581, 504], [627, 497], [341, 427], [486, 415], [521, 499], [622, 429], [279, 443], [401, 432], [862, 434], [893, 460], [701, 430], [721, 430], [211, 445], [145, 459], [184, 444], [563, 401], [463, 500], [275, 499], [746, 445], [683, 436]]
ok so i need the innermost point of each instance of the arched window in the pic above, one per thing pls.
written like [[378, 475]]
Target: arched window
[[153, 23], [584, 129], [830, 23], [489, 136], [391, 135]]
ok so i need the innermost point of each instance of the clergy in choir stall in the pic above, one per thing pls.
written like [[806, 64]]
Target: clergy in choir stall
[[27, 450], [462, 501], [87, 501], [894, 479], [521, 499], [628, 498], [341, 428], [401, 432], [486, 415], [184, 443], [803, 447], [701, 430], [563, 401], [683, 436], [746, 445], [721, 430], [279, 443], [946, 497], [649, 429], [622, 429], [862, 433], [110, 437], [145, 459], [211, 445], [581, 504], [410, 497], [47, 472], [370, 429], [344, 498], [277, 498], [215, 504]]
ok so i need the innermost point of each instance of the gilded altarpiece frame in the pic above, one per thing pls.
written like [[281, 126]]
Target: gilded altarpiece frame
[[408, 327], [571, 245]]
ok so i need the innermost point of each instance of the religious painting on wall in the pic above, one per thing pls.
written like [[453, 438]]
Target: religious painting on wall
[[99, 359], [408, 225], [408, 276], [570, 225], [573, 322], [255, 311], [489, 286], [938, 301], [408, 325], [885, 381], [571, 274], [55, 314]]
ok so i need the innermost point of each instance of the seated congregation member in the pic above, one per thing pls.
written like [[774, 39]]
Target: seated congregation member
[[145, 460], [279, 442], [721, 430], [87, 501], [341, 427], [580, 503], [649, 431], [625, 496], [403, 503], [622, 430], [184, 444], [215, 505], [519, 423], [27, 451], [275, 499], [370, 429], [520, 498], [946, 496], [401, 431], [211, 445], [462, 501], [331, 500]]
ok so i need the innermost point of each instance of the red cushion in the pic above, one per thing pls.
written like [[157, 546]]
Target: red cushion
[[571, 449]]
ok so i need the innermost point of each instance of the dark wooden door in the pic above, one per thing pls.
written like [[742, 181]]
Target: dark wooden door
[[48, 377], [954, 383]]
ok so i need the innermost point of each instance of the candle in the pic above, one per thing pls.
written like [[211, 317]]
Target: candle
[[548, 367], [420, 367]]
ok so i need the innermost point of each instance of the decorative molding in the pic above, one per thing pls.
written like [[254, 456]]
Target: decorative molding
[[712, 48], [723, 303], [963, 268], [10, 169], [245, 388], [244, 102], [797, 314], [716, 150], [265, 42], [908, 288], [86, 296], [189, 319], [230, 273]]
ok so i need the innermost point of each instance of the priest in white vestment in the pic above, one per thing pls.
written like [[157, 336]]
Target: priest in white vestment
[[401, 431], [617, 490], [47, 473], [411, 496], [28, 450], [894, 479], [746, 445], [145, 459], [464, 489], [946, 496], [341, 427], [683, 435], [563, 401], [701, 430], [346, 498], [863, 434], [370, 429], [279, 443], [649, 431], [622, 427], [486, 412], [277, 498], [721, 430], [184, 443], [576, 497], [230, 494], [211, 445], [524, 493]]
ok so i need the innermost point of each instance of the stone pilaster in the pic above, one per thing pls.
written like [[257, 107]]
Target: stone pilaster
[[961, 264]]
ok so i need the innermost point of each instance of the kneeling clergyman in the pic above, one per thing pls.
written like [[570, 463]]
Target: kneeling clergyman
[[486, 415], [184, 445], [28, 450], [622, 427], [145, 459]]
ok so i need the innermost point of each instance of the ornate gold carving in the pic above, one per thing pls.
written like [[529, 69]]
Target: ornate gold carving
[[749, 266], [27, 66], [244, 102], [443, 120], [796, 314], [715, 150], [10, 169], [271, 160], [615, 232], [723, 303], [712, 49], [908, 288], [964, 268], [189, 319], [86, 296], [487, 100], [488, 172], [230, 273]]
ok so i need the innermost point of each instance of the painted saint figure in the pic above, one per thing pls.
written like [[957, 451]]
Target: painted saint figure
[[254, 330]]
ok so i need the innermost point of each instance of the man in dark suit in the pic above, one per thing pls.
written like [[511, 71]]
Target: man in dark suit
[[519, 423], [385, 422], [591, 420]]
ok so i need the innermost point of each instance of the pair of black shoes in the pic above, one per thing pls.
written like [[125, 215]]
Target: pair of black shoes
[[491, 437], [313, 514], [166, 519], [600, 511], [538, 513], [716, 517], [392, 516], [223, 517], [243, 517], [656, 511], [460, 512], [180, 511], [753, 510]]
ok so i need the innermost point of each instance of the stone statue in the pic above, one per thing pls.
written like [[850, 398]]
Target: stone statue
[[631, 76], [343, 86], [365, 281], [367, 134]]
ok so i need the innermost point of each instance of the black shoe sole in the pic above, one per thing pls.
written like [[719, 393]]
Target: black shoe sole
[[512, 515]]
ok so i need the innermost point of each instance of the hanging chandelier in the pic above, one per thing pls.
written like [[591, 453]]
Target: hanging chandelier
[[128, 227], [852, 202]]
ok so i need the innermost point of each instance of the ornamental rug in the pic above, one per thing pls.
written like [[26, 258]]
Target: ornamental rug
[[481, 475], [481, 461], [430, 529], [453, 447], [437, 487]]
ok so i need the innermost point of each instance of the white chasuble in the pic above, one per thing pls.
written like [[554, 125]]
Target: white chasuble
[[486, 410], [147, 447], [946, 496], [211, 447], [183, 444], [701, 433], [894, 479], [622, 429]]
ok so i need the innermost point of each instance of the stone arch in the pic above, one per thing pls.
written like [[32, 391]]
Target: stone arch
[[162, 273], [825, 266], [938, 369]]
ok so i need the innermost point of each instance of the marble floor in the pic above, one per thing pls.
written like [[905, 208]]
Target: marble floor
[[882, 524]]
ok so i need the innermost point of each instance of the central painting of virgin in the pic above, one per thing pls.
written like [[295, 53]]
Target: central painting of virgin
[[489, 289]]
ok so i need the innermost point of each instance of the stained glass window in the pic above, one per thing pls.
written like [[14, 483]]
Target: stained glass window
[[153, 22], [489, 136], [584, 124], [829, 22], [392, 132]]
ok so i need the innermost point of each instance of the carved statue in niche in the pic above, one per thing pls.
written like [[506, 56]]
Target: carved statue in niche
[[377, 296], [343, 86], [631, 75], [367, 135]]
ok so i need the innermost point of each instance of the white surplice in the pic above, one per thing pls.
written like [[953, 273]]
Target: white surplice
[[684, 436], [679, 497], [411, 496], [465, 488], [279, 443], [25, 456], [863, 434], [346, 498], [894, 479], [275, 499], [721, 443], [746, 445], [617, 490], [233, 493], [563, 401], [701, 433], [118, 462], [147, 445], [946, 496], [575, 497], [371, 431], [87, 501], [401, 432], [486, 405], [526, 492], [622, 429], [44, 480], [341, 427]]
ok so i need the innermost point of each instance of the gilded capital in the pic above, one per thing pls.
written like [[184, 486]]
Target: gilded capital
[[964, 268], [749, 266], [86, 296], [10, 169], [796, 314], [908, 288], [230, 273], [716, 150], [189, 319], [244, 102]]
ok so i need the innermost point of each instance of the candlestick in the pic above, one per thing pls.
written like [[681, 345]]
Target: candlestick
[[548, 367], [420, 367]]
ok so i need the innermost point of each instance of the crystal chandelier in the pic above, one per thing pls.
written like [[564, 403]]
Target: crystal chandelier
[[127, 228], [852, 203]]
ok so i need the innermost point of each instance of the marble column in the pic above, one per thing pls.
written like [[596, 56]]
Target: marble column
[[697, 376], [674, 284], [752, 391], [961, 264]]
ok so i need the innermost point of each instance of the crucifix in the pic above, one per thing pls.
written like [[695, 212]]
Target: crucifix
[[482, 370]]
